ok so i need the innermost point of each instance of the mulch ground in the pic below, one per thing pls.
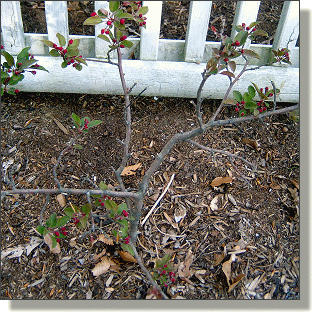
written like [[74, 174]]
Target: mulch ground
[[242, 240]]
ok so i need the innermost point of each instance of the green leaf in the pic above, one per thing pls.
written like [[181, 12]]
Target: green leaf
[[259, 33], [78, 146], [27, 63], [39, 68], [64, 64], [239, 28], [247, 97], [54, 53], [48, 43], [15, 79], [262, 96], [78, 67], [62, 221], [241, 37], [69, 212], [253, 24], [61, 38], [122, 207], [251, 91], [211, 64], [255, 112], [2, 91], [230, 101], [143, 10], [237, 95], [119, 26], [127, 247], [250, 53], [76, 119], [103, 186], [83, 222], [51, 223], [124, 15], [114, 5], [102, 13], [75, 44], [4, 75], [127, 43], [94, 123], [250, 105], [54, 242], [23, 55], [81, 61], [86, 208], [41, 229], [72, 52], [8, 57], [92, 21], [104, 37]]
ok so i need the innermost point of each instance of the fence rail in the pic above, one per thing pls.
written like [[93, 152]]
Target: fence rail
[[166, 67]]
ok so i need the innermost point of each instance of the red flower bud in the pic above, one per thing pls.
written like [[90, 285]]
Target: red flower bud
[[122, 21], [165, 266], [242, 102], [57, 233], [123, 38], [247, 28], [237, 109], [65, 51], [64, 233], [109, 22], [58, 240], [242, 113], [121, 46], [107, 31], [16, 91], [243, 25], [125, 213], [102, 31], [70, 41], [93, 14], [102, 204], [254, 29], [63, 229], [225, 59]]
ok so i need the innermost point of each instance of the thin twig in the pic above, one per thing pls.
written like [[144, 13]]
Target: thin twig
[[91, 214], [146, 271], [158, 200], [44, 208]]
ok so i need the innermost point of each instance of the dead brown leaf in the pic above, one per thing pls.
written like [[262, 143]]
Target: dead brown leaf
[[128, 257], [220, 180], [217, 258], [48, 240], [235, 282], [252, 143], [101, 267], [226, 268], [130, 170], [184, 271], [105, 240], [61, 199]]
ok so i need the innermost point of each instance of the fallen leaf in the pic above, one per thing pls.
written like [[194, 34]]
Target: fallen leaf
[[61, 199], [217, 258], [101, 267], [235, 282], [184, 271], [128, 257], [199, 273], [226, 268], [48, 240], [214, 203], [252, 143], [130, 170], [96, 257], [60, 125], [220, 180], [105, 240]]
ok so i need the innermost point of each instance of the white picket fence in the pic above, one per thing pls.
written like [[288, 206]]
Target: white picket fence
[[170, 68]]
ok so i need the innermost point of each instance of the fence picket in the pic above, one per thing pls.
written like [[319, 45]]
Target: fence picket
[[12, 27], [287, 32], [149, 41], [199, 15], [57, 19], [246, 12]]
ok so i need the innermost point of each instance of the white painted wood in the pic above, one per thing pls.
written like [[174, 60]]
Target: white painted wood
[[246, 12], [288, 27], [169, 79], [57, 19], [12, 27], [150, 35], [199, 15], [101, 46]]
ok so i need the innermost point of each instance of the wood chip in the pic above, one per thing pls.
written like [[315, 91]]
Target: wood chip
[[61, 199]]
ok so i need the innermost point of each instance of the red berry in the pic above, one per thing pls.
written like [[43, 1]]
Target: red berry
[[16, 91], [225, 59], [242, 51], [123, 38], [143, 22], [64, 233], [70, 41], [172, 280], [254, 29], [266, 89], [122, 21], [140, 24], [102, 204], [270, 94], [242, 102], [102, 31], [264, 109], [238, 104], [99, 200], [242, 113], [19, 64], [93, 14], [2, 46], [33, 72], [237, 109], [65, 51], [165, 266], [247, 28], [71, 61], [114, 40], [165, 285], [109, 198], [55, 46], [58, 240], [126, 242], [121, 46], [63, 229], [107, 31], [109, 22], [140, 15], [57, 233], [243, 25], [125, 213]]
